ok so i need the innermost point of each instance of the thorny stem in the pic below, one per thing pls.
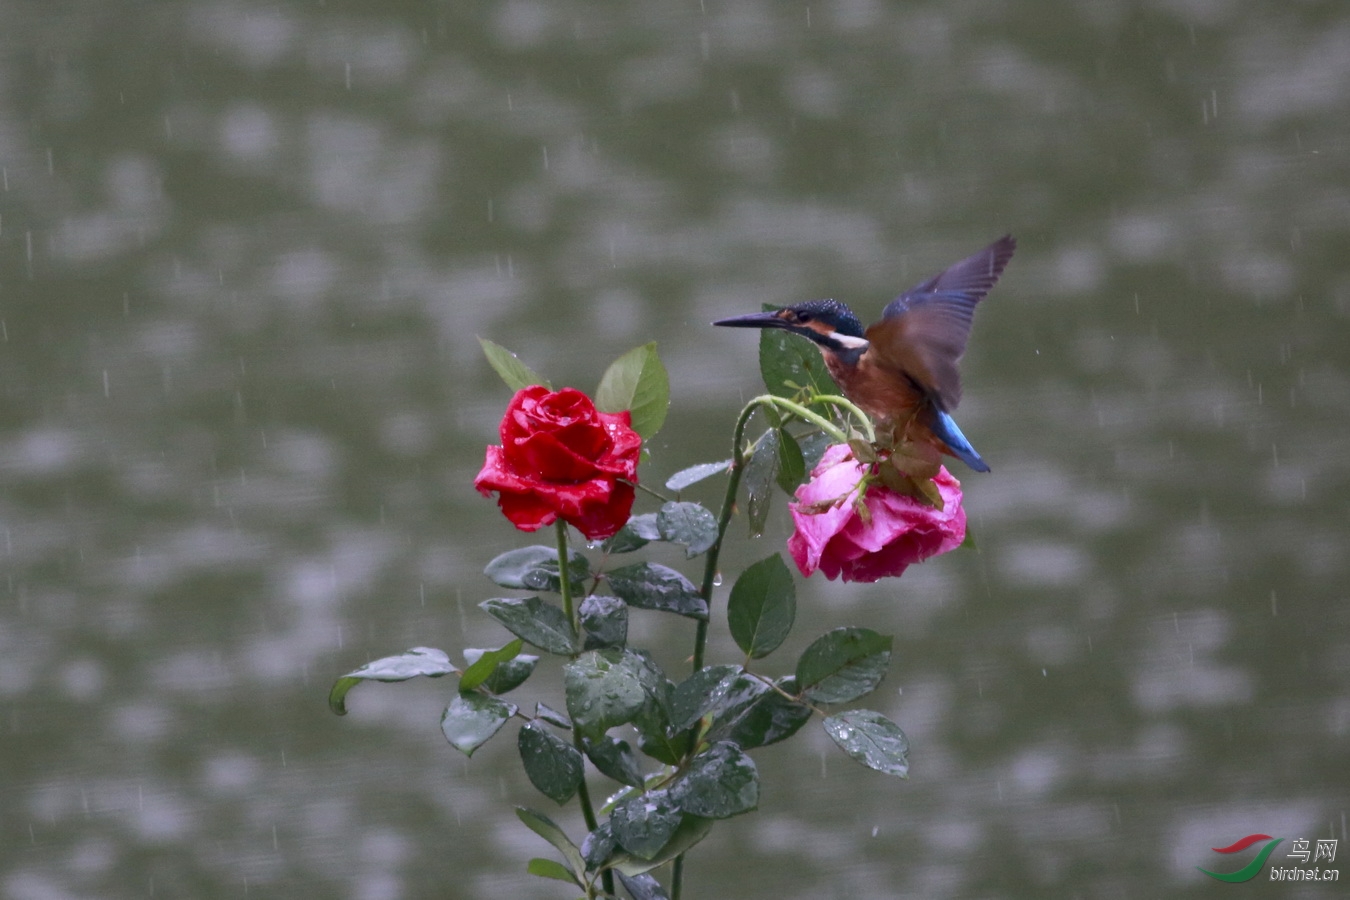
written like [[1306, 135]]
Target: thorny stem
[[565, 588], [738, 459]]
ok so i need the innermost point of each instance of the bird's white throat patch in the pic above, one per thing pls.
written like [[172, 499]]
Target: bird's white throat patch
[[849, 341]]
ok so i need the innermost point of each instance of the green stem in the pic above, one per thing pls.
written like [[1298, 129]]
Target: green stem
[[565, 588], [802, 412], [849, 406]]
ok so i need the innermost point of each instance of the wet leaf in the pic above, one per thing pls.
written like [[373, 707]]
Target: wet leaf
[[541, 624], [553, 765], [634, 535], [813, 447], [515, 373], [419, 661], [760, 473], [694, 474], [598, 846], [482, 663], [762, 607], [644, 824], [643, 887], [720, 782], [604, 688], [791, 464], [604, 622], [535, 568], [696, 696], [844, 664], [552, 716], [689, 524], [472, 719], [788, 363], [657, 587], [637, 382], [871, 739], [769, 719], [614, 759], [691, 830]]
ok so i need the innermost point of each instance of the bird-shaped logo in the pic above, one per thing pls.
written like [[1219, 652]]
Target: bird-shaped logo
[[903, 369]]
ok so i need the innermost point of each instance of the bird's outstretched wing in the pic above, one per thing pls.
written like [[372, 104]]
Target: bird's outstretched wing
[[923, 332]]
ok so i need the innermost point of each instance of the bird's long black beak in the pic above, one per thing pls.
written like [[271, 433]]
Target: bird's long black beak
[[754, 320]]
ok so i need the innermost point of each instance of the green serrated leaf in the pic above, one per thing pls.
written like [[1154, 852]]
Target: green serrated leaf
[[472, 719], [535, 568], [844, 664], [543, 826], [762, 607], [694, 474], [537, 622], [689, 524], [604, 622], [791, 463], [553, 766], [637, 382], [871, 739], [631, 536], [788, 363], [482, 663], [720, 782], [760, 474], [657, 587], [419, 661], [515, 373], [551, 868]]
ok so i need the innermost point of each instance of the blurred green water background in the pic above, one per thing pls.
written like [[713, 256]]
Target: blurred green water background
[[245, 250]]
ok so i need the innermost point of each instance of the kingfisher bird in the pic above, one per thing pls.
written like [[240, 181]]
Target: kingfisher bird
[[902, 370]]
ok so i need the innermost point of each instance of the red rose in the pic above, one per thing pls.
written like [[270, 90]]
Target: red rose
[[897, 530], [561, 457]]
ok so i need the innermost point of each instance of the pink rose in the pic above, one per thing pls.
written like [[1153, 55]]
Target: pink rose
[[898, 530]]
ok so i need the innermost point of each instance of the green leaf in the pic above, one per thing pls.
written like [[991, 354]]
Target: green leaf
[[643, 887], [769, 719], [553, 765], [644, 824], [762, 607], [720, 782], [515, 373], [541, 624], [598, 846], [604, 688], [637, 382], [789, 363], [814, 445], [844, 664], [604, 622], [511, 674], [657, 587], [551, 868], [791, 463], [552, 716], [615, 759], [471, 719], [871, 739], [535, 568], [968, 542], [543, 826], [691, 830], [689, 524], [482, 663], [426, 661], [694, 474], [696, 696], [636, 533], [760, 474]]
